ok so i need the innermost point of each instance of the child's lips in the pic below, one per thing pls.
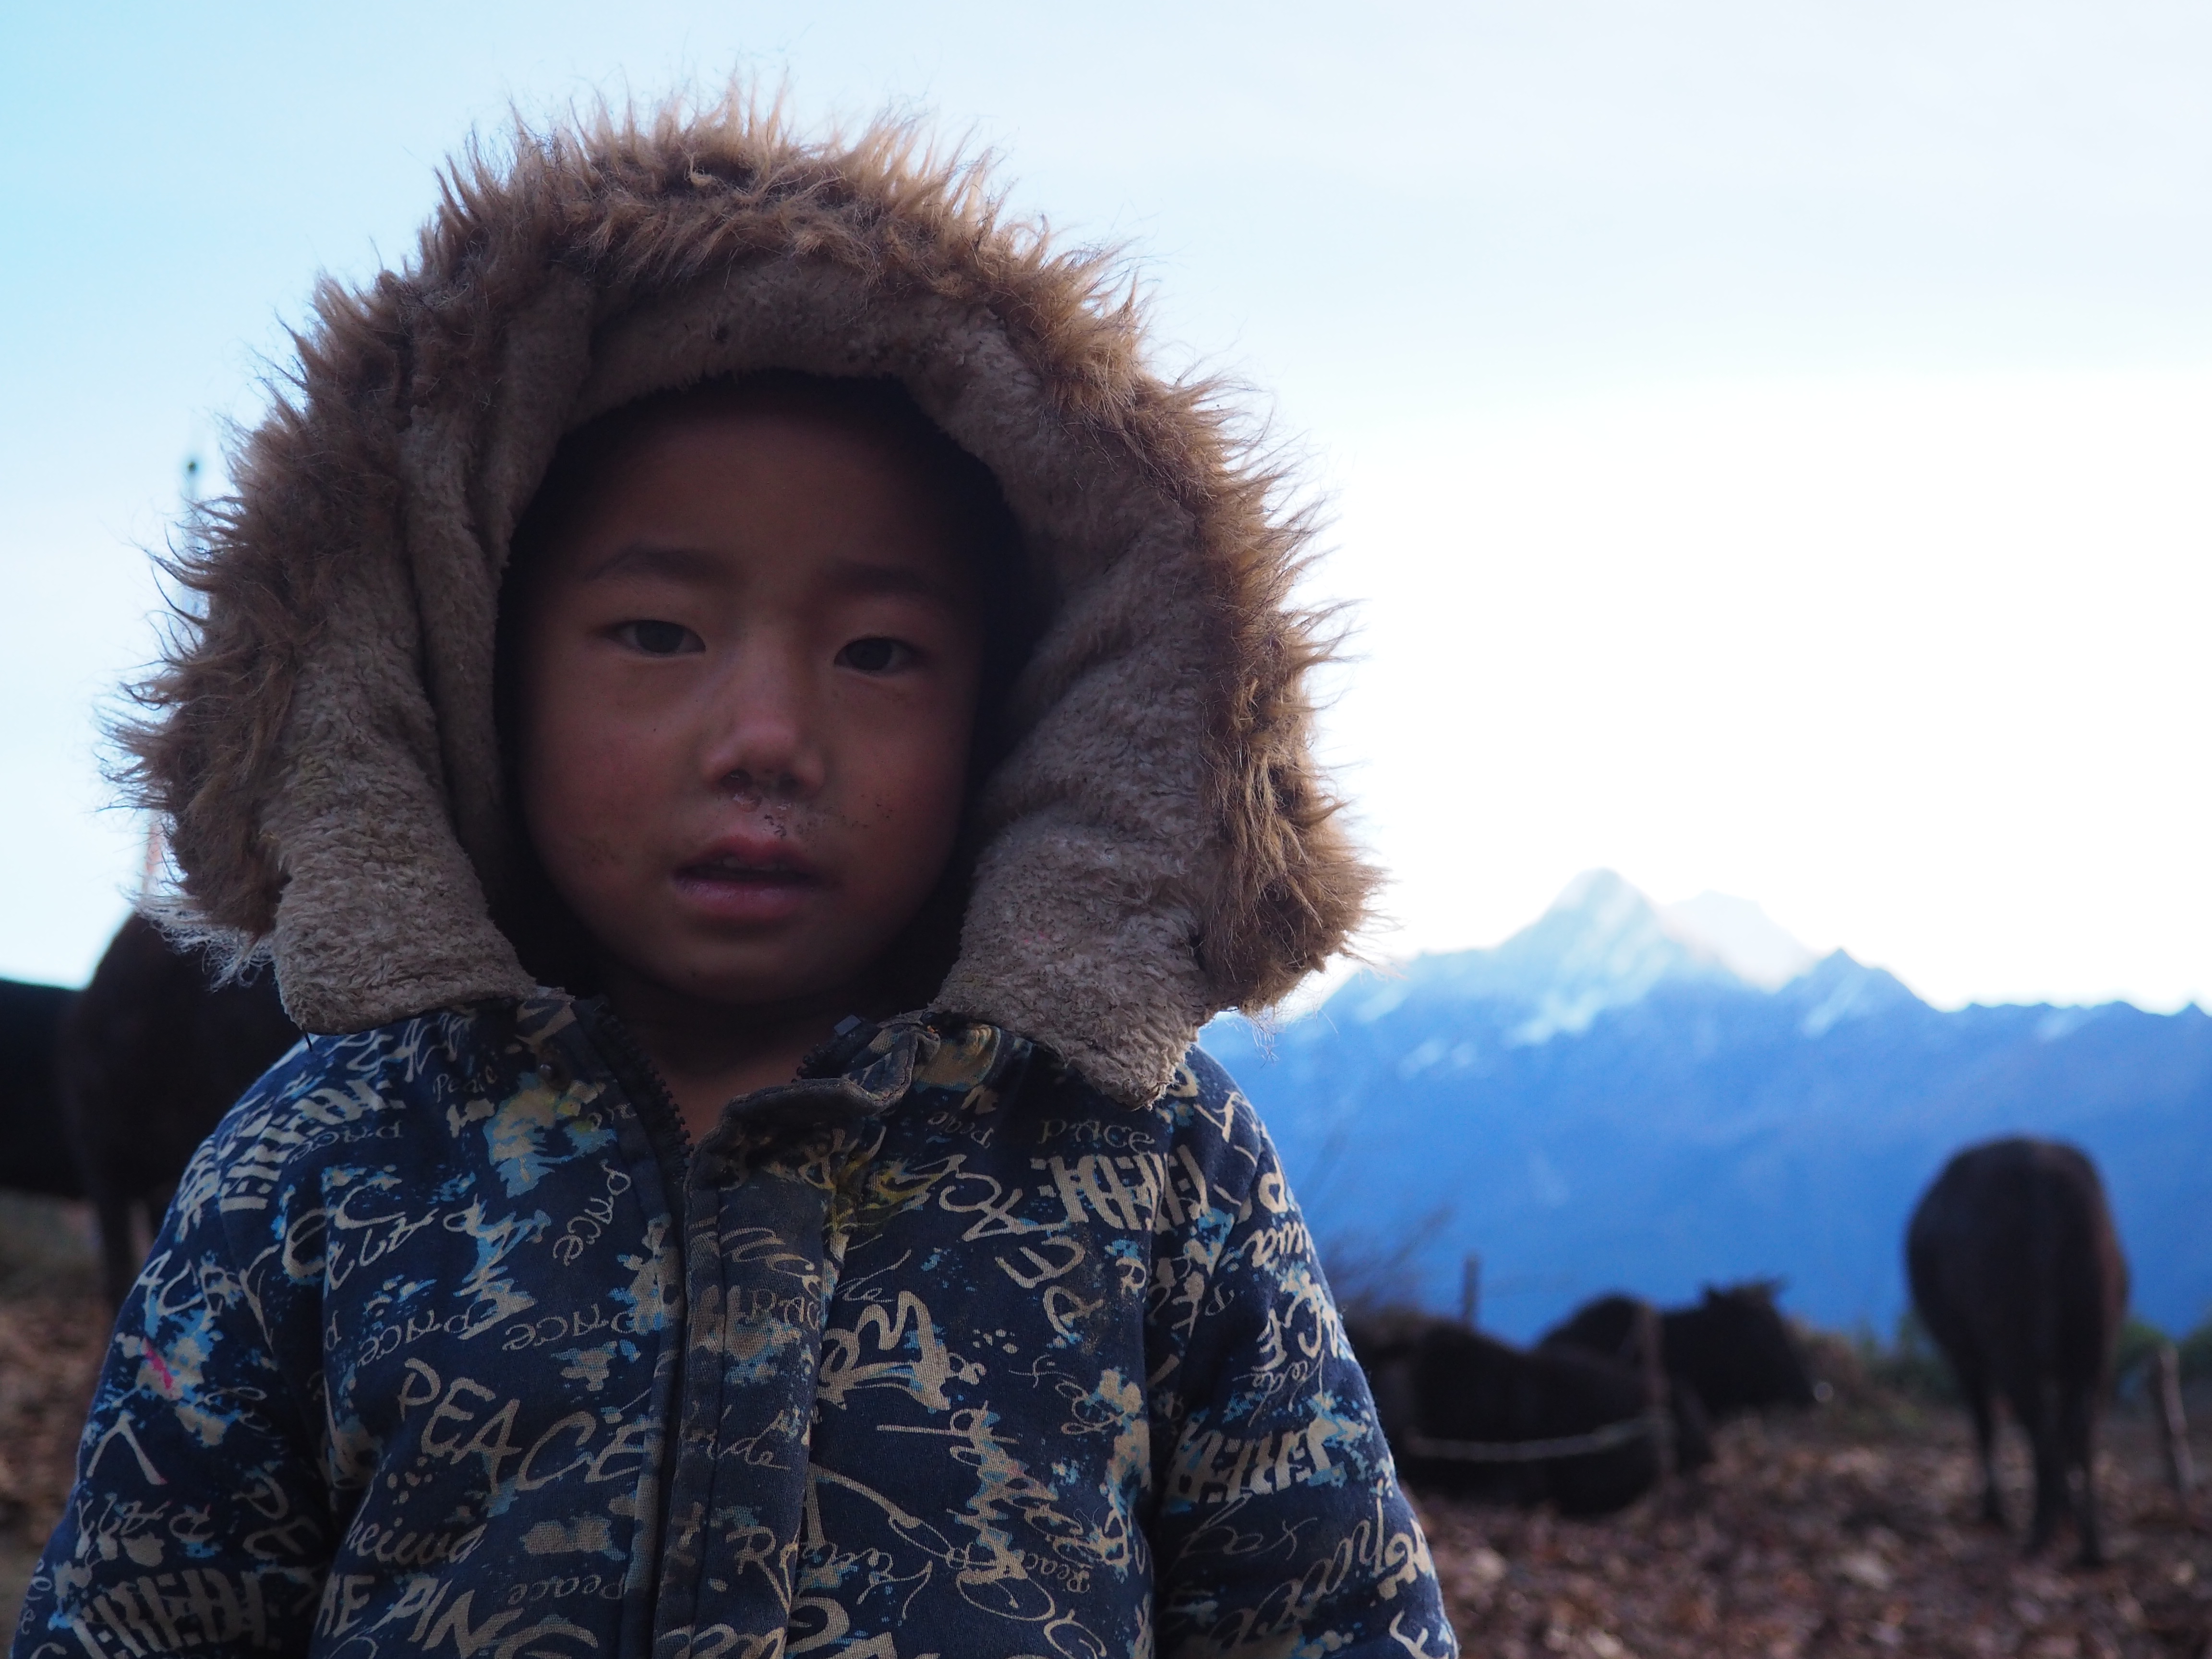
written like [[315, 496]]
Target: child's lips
[[742, 886]]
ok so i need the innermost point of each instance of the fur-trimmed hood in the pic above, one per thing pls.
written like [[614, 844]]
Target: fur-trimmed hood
[[1157, 845]]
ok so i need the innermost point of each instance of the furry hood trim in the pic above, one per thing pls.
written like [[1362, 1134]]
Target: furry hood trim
[[1156, 847]]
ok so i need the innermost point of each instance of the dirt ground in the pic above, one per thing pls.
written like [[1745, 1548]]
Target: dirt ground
[[50, 1347], [53, 1328], [1847, 1530]]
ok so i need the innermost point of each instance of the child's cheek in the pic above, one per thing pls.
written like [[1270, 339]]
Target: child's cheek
[[916, 787], [593, 782]]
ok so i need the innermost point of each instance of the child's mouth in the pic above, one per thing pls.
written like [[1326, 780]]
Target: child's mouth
[[733, 887]]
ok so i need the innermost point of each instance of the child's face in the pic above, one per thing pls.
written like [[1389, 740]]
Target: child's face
[[747, 682]]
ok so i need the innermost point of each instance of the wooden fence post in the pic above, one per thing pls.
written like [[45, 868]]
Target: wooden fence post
[[2172, 1422], [1650, 1352]]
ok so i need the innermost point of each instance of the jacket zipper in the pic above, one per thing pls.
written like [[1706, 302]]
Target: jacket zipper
[[672, 1149]]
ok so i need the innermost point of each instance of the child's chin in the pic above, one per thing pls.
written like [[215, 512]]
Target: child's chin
[[764, 968], [732, 903]]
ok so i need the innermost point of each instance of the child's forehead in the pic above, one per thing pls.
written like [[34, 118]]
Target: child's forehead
[[875, 417], [763, 482], [779, 433], [789, 448]]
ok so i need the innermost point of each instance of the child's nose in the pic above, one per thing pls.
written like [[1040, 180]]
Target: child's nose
[[767, 746]]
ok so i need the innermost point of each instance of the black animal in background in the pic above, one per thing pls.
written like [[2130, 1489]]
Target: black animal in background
[[1730, 1352], [1738, 1351], [2018, 1276], [152, 1055], [1616, 1327], [1443, 1389], [34, 1148]]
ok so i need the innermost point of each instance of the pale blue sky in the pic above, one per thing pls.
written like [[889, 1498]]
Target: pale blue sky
[[1766, 437]]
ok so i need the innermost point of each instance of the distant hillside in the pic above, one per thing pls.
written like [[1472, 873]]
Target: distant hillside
[[1604, 1101]]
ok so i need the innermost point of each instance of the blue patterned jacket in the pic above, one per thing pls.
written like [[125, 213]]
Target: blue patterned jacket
[[451, 1345]]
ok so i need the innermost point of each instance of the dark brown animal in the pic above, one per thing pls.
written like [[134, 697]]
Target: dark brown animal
[[1617, 1327], [152, 1055], [2017, 1274], [35, 1156], [1731, 1351], [1458, 1406], [1738, 1351]]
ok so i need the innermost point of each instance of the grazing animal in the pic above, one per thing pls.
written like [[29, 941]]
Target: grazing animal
[[151, 1056], [1732, 1351], [1618, 1326], [2018, 1276], [1443, 1391], [37, 1158], [1738, 1351]]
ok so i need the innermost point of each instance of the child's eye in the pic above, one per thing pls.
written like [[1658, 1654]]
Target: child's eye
[[659, 639], [876, 656]]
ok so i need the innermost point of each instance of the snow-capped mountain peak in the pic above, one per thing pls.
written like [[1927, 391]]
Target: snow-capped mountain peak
[[1601, 945], [1755, 947]]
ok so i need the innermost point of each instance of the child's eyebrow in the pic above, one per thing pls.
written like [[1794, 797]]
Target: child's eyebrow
[[905, 580], [653, 559], [850, 575]]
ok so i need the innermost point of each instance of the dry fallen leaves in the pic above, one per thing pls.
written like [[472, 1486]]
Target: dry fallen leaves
[[1846, 1530], [49, 1349]]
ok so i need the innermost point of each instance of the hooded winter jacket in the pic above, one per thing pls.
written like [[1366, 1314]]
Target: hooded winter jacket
[[997, 1331]]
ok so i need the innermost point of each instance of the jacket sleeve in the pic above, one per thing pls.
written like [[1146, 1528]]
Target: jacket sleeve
[[1281, 1527], [199, 1520]]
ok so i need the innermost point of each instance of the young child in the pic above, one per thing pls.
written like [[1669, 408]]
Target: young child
[[756, 731]]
